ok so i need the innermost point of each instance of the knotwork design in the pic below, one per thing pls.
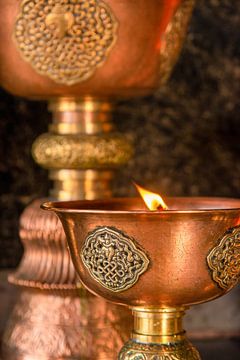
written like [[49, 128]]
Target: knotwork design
[[66, 40], [224, 260], [113, 259]]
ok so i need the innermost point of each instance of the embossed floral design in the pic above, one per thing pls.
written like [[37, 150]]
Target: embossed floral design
[[224, 260], [66, 40], [113, 259]]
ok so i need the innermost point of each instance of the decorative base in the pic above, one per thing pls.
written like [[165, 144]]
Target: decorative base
[[158, 335], [182, 350]]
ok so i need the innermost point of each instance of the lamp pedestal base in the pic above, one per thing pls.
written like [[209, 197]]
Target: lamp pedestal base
[[158, 335]]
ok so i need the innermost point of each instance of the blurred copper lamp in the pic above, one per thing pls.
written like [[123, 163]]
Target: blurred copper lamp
[[80, 56], [158, 263]]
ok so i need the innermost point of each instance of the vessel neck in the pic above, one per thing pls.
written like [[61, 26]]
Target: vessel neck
[[86, 116]]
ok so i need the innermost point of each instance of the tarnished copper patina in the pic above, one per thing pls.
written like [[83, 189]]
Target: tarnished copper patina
[[191, 255]]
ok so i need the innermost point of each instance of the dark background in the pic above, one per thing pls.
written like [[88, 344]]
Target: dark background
[[187, 136]]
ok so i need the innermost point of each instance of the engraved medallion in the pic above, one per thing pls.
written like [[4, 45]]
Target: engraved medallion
[[224, 260], [113, 259], [66, 40]]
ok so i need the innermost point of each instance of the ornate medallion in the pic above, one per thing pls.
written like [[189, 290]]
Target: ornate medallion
[[224, 260], [113, 259], [66, 40]]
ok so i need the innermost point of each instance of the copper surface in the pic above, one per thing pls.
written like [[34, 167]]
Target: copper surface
[[148, 40], [177, 243]]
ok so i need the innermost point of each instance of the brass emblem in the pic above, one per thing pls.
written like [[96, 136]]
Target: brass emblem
[[224, 260], [113, 259], [66, 40]]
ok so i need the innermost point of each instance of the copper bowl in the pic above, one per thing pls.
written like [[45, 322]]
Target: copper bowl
[[154, 260], [90, 47], [176, 243]]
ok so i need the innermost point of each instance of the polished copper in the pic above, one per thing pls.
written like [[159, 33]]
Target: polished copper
[[178, 242], [148, 38]]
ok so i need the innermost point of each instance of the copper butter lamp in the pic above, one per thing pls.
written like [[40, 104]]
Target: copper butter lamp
[[157, 263]]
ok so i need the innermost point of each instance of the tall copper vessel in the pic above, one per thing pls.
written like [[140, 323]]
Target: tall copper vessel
[[81, 56]]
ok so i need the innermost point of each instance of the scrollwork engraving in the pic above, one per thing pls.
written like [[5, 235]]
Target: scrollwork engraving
[[113, 259]]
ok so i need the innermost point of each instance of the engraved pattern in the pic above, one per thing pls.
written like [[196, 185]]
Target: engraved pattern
[[173, 39], [113, 259], [66, 40], [224, 260], [54, 151], [177, 351]]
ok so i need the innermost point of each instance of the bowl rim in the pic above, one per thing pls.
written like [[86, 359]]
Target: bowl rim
[[56, 206]]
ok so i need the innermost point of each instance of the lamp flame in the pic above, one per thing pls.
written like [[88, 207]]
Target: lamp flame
[[152, 200]]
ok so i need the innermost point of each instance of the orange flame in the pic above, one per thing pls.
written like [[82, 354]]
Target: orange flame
[[152, 200]]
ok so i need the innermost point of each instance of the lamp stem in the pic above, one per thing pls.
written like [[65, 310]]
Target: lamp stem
[[154, 325], [158, 334]]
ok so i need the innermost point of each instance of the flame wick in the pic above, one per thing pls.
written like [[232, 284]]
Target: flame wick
[[153, 201]]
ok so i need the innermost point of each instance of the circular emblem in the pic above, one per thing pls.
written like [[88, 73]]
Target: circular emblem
[[113, 259], [224, 260], [66, 40]]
